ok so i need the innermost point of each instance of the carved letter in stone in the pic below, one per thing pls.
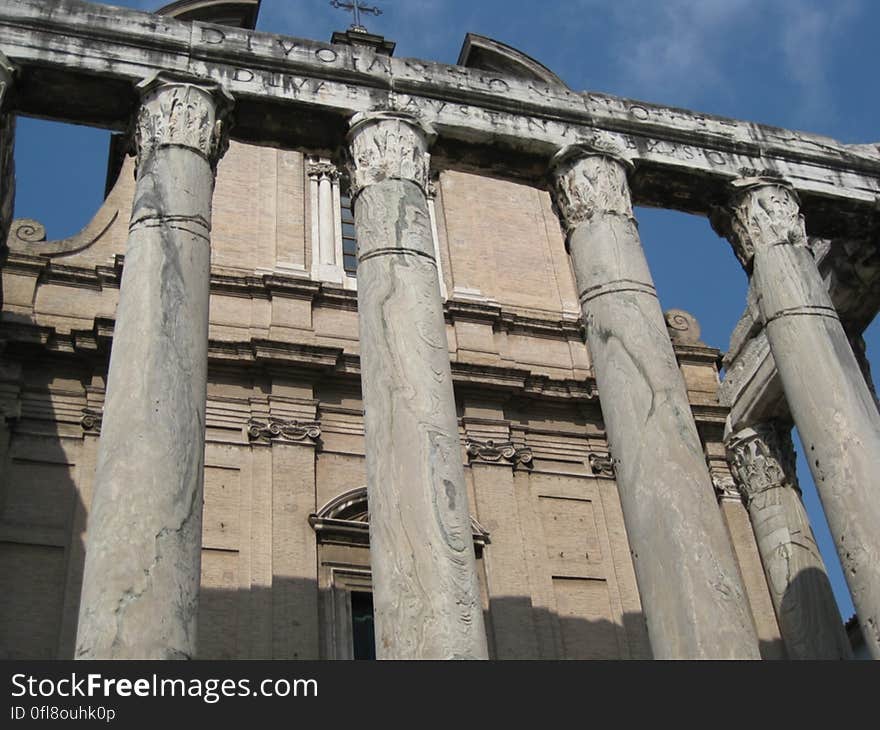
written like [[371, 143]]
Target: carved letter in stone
[[91, 420]]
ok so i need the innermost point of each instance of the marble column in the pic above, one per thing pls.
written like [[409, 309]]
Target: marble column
[[142, 570], [691, 590], [762, 459], [833, 409], [7, 154], [425, 590]]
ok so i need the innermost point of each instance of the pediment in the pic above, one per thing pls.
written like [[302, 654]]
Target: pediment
[[487, 54], [345, 519]]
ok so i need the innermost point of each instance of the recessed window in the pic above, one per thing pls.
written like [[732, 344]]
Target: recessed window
[[349, 236], [362, 628]]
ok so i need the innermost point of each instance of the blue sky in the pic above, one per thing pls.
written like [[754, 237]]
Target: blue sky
[[801, 64]]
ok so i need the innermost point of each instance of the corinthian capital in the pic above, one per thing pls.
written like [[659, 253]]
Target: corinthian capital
[[762, 457], [388, 145], [182, 111], [587, 179], [763, 212]]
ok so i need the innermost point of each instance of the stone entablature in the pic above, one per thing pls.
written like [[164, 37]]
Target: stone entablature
[[494, 110]]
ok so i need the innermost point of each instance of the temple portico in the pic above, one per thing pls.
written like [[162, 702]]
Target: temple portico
[[369, 391]]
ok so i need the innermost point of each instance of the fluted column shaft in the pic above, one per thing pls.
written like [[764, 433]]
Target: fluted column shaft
[[426, 594], [142, 568], [762, 459], [832, 406], [689, 583]]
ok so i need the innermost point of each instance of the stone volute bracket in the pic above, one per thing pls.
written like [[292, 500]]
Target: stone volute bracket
[[602, 465], [504, 453], [277, 429]]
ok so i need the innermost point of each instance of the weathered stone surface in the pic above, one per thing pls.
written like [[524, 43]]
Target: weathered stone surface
[[763, 462], [426, 595], [142, 569], [834, 411], [690, 587], [499, 122]]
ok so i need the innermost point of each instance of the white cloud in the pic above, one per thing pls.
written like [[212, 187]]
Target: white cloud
[[683, 49]]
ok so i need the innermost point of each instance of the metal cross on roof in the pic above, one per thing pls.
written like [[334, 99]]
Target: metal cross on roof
[[356, 8]]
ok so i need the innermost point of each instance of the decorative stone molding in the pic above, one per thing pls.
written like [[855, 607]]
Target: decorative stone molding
[[602, 465], [496, 453], [345, 520], [182, 111], [319, 169], [278, 429], [586, 180], [683, 327], [726, 489], [91, 420], [763, 211], [762, 457], [388, 145]]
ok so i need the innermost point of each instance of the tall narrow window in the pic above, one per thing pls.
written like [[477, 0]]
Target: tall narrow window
[[349, 236], [362, 632]]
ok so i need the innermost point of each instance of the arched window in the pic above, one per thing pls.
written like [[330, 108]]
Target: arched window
[[342, 527]]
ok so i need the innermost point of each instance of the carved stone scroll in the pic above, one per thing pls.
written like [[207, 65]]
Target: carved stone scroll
[[276, 428], [490, 451]]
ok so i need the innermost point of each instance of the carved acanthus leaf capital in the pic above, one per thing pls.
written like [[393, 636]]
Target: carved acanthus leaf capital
[[319, 169], [763, 212], [587, 179], [388, 145], [726, 488], [762, 457], [182, 111], [279, 429], [496, 453]]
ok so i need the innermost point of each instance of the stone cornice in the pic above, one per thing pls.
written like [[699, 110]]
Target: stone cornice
[[481, 117]]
